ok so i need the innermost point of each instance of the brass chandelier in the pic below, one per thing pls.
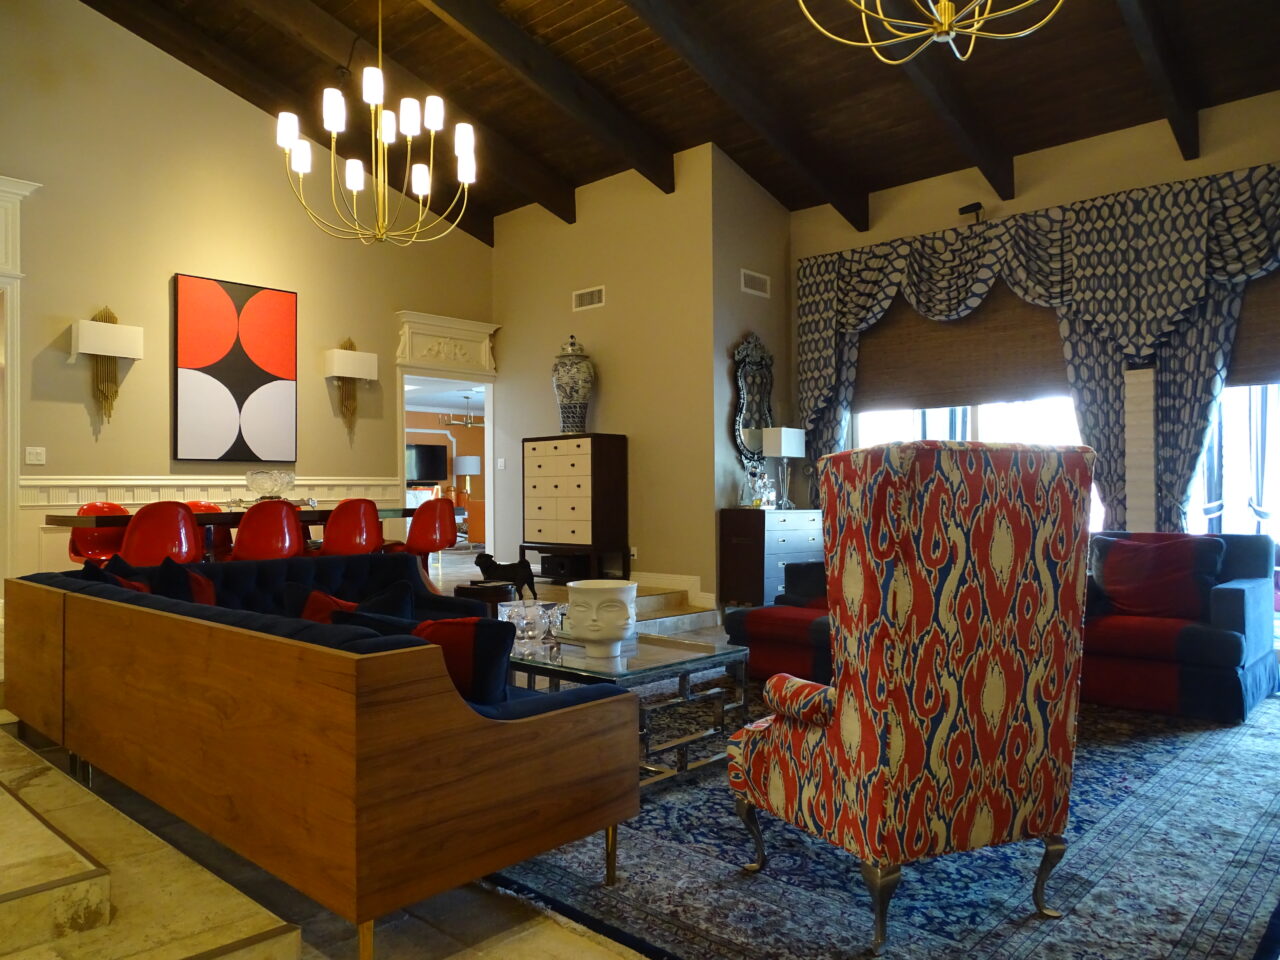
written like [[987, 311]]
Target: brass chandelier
[[383, 216], [467, 420], [911, 25]]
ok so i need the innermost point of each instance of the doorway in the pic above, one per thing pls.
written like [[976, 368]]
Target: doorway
[[446, 436]]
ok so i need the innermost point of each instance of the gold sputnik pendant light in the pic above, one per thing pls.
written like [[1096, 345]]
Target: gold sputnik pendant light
[[383, 216], [909, 26]]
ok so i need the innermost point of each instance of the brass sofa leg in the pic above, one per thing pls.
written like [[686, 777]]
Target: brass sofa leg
[[365, 930], [611, 855], [747, 813], [1054, 848], [881, 883]]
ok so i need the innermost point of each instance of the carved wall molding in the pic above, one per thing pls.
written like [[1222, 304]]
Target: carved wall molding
[[446, 344]]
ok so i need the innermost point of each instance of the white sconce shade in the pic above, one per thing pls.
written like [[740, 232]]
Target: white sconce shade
[[388, 132], [334, 110], [372, 86], [355, 175], [467, 466], [300, 158], [351, 363], [464, 140], [105, 340], [433, 113], [420, 179], [782, 441], [286, 130], [467, 169], [410, 117]]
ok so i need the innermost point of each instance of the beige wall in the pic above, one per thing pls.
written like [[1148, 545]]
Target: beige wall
[[649, 343], [750, 229], [150, 169]]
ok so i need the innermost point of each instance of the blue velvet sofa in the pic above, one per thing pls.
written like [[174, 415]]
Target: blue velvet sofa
[[339, 757]]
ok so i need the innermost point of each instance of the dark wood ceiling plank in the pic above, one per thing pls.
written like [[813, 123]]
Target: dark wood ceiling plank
[[1169, 74], [481, 22], [180, 39], [327, 37], [749, 94]]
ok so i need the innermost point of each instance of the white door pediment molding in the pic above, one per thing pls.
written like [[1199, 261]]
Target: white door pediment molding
[[11, 194], [447, 344]]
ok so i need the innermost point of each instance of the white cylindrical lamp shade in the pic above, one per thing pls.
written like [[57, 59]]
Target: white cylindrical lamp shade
[[433, 113], [286, 130], [388, 132], [782, 441], [355, 175], [420, 180], [300, 157], [371, 88], [467, 466], [467, 168], [464, 139], [334, 110], [410, 117]]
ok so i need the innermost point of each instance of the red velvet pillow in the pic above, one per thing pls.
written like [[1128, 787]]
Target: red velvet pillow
[[457, 639], [320, 607], [104, 574], [1168, 578]]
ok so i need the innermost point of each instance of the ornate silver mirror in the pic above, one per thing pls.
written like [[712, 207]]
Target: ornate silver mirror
[[753, 374]]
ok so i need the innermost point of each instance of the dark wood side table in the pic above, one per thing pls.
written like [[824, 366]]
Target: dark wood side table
[[492, 592]]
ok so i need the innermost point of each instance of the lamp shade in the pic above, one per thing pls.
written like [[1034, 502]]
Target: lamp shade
[[783, 441], [466, 466]]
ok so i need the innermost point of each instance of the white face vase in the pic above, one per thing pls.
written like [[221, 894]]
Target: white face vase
[[601, 611]]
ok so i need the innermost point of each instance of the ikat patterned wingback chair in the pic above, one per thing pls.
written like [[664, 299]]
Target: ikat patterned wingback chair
[[956, 577]]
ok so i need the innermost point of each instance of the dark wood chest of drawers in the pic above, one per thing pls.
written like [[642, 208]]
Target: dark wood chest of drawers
[[754, 546]]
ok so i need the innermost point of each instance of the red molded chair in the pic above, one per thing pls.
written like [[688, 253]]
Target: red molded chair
[[352, 527], [269, 531], [166, 528], [93, 543], [217, 539], [432, 529]]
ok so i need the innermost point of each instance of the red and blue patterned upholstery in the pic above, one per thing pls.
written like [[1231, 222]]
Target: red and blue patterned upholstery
[[956, 573]]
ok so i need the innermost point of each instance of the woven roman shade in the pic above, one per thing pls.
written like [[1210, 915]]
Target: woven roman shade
[[1256, 355], [1007, 349]]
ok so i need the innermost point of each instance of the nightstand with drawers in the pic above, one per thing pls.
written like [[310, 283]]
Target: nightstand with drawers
[[575, 498]]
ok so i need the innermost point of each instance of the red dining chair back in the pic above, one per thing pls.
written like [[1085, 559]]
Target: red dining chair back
[[269, 530], [433, 528], [166, 528], [217, 538], [352, 527], [96, 543]]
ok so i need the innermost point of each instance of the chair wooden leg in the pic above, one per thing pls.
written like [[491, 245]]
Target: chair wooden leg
[[1054, 848], [611, 855], [881, 883], [747, 813], [365, 931]]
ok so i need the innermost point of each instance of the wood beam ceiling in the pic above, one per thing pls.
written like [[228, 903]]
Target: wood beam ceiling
[[1169, 73], [749, 94], [481, 22], [180, 39], [328, 38]]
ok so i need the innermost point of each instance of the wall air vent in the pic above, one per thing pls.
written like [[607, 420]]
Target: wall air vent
[[756, 284], [586, 299]]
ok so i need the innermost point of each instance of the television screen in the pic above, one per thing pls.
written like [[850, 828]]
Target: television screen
[[425, 462]]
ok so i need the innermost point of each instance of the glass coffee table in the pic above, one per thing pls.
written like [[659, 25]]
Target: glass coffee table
[[651, 659]]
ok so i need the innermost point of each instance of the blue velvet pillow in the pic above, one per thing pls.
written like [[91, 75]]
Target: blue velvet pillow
[[117, 572], [177, 582], [395, 600]]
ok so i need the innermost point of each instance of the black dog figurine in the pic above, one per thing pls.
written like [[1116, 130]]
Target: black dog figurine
[[519, 573]]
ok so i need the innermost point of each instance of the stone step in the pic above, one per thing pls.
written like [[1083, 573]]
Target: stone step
[[676, 620], [49, 888]]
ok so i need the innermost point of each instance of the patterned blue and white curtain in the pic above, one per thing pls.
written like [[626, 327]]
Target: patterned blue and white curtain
[[1126, 273]]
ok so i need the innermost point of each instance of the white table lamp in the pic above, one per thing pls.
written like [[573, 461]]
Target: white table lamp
[[785, 443], [466, 467]]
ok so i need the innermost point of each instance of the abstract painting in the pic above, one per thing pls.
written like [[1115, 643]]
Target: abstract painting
[[235, 371]]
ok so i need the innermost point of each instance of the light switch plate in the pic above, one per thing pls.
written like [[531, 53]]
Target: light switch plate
[[35, 456], [502, 463]]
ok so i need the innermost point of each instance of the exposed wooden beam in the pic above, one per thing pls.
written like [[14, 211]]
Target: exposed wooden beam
[[935, 78], [749, 94], [481, 22], [328, 38], [1168, 73], [181, 40]]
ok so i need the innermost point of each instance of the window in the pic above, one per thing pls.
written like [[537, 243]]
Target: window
[[1047, 420], [1236, 487]]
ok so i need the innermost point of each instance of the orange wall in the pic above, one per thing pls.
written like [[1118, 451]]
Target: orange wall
[[469, 443]]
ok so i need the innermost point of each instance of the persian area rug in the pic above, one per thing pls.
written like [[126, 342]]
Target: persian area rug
[[1174, 851]]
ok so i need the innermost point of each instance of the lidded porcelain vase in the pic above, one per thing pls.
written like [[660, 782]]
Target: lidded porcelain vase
[[573, 377]]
